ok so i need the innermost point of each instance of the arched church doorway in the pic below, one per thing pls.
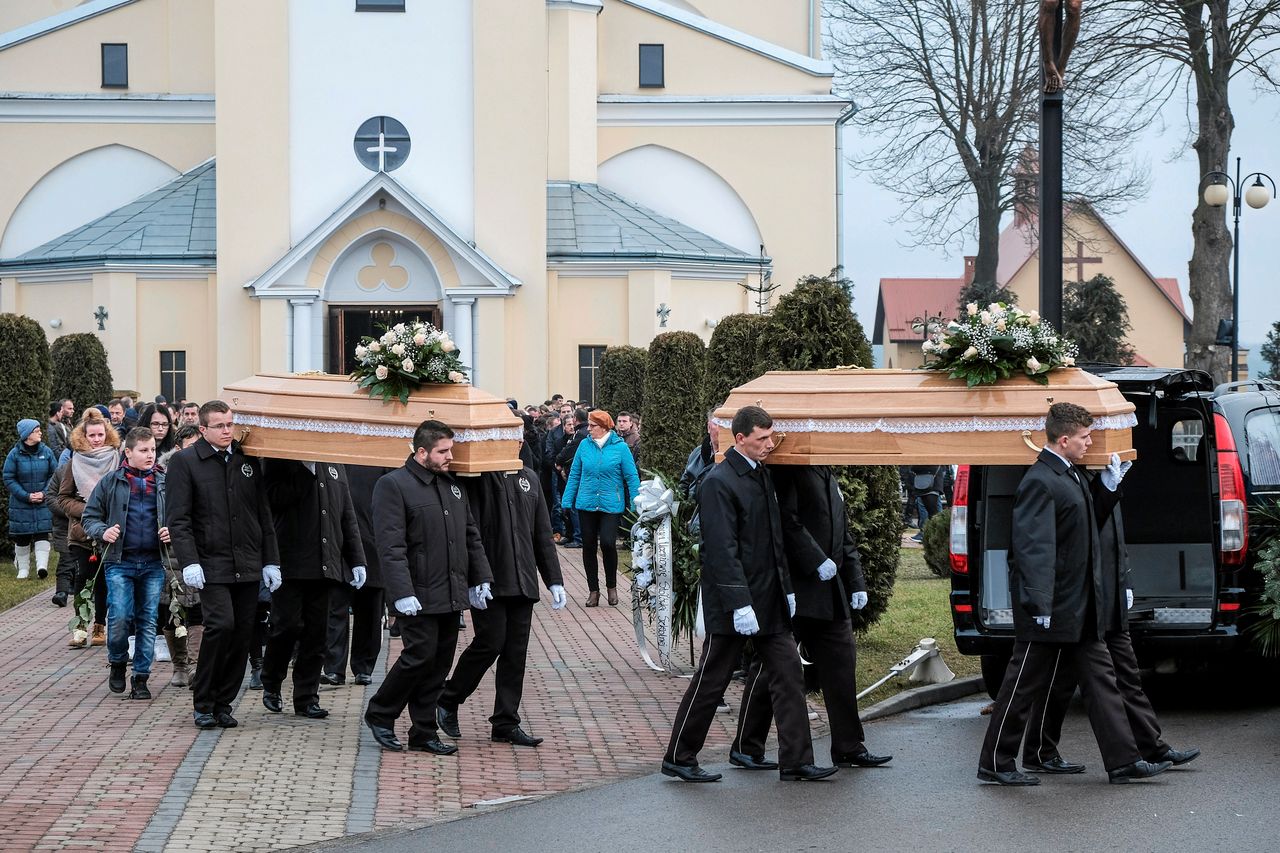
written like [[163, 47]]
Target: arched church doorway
[[349, 323]]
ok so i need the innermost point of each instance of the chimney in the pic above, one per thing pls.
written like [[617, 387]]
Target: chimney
[[970, 261]]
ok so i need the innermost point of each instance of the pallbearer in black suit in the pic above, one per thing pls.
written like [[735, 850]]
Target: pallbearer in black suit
[[826, 574], [1044, 728], [320, 548], [1060, 609], [516, 529], [746, 592]]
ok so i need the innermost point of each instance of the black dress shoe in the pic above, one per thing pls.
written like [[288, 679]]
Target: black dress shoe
[[515, 737], [385, 737], [313, 711], [434, 746], [226, 721], [362, 678], [750, 762], [332, 679], [204, 721], [60, 599], [693, 773], [806, 773], [1179, 757], [861, 758], [271, 701], [115, 682], [448, 721], [1057, 764], [1007, 777], [1137, 770]]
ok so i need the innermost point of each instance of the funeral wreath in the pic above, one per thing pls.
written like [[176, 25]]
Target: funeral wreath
[[405, 356]]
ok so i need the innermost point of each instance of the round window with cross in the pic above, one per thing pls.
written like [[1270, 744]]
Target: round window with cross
[[382, 144]]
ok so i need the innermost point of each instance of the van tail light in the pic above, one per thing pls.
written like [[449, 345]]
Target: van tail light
[[1234, 518], [959, 544]]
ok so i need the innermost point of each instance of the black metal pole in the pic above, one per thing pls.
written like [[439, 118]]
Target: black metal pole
[[1051, 193], [1235, 283]]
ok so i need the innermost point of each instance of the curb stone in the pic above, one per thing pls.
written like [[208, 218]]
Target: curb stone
[[921, 697]]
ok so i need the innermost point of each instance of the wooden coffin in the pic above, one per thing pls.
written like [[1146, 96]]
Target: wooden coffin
[[904, 417], [326, 418]]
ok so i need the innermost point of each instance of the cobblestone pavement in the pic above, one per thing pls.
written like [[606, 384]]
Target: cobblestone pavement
[[81, 768]]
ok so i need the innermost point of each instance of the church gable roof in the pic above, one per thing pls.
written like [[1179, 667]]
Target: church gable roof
[[588, 222], [83, 12], [175, 224]]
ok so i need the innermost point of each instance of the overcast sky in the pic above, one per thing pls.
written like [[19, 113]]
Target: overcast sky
[[1157, 228]]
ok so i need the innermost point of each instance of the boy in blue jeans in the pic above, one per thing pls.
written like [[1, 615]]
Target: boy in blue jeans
[[126, 514]]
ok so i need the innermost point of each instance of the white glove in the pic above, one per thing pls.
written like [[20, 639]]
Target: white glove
[[1043, 622], [558, 598], [408, 606], [1128, 599], [643, 579], [858, 600], [791, 603], [827, 570], [479, 596], [744, 621], [1114, 472], [193, 576], [358, 576], [271, 577]]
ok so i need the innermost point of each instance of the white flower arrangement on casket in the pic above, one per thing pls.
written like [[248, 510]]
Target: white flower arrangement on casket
[[989, 344], [405, 356]]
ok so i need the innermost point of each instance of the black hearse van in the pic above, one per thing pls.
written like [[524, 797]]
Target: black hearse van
[[1205, 455]]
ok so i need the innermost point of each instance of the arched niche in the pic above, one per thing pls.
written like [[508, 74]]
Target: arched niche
[[382, 267]]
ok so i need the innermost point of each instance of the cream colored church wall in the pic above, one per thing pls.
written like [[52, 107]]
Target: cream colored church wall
[[253, 174], [572, 65], [694, 63], [172, 315], [19, 13], [28, 152], [510, 137], [169, 51], [785, 175], [68, 301], [585, 312], [695, 301], [786, 23]]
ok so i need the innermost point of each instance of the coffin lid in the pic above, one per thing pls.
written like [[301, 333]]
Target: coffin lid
[[902, 417], [327, 418]]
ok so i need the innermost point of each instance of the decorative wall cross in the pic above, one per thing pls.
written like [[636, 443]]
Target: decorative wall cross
[[101, 316], [663, 313], [1080, 260]]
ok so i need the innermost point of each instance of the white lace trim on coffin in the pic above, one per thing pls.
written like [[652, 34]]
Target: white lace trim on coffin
[[933, 425], [374, 430]]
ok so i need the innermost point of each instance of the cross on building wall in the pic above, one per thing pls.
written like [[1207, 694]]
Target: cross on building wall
[[1080, 260], [382, 150]]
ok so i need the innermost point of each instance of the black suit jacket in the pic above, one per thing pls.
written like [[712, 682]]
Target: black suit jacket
[[516, 529], [1114, 554], [743, 561], [315, 520], [1055, 567], [814, 529]]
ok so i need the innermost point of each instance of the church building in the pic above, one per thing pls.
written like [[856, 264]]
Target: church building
[[223, 187]]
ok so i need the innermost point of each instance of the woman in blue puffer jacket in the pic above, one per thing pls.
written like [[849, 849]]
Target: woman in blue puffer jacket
[[27, 470], [602, 483]]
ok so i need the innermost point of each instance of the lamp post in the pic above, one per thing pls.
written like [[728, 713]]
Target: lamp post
[[927, 323], [1224, 188]]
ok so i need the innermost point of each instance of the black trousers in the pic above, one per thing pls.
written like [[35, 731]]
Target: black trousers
[[1031, 669], [417, 677], [830, 646], [224, 647], [600, 528], [355, 615], [1044, 727], [299, 614], [720, 656], [86, 569], [502, 635], [65, 575]]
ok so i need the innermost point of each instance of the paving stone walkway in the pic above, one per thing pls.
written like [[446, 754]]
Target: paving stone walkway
[[81, 768]]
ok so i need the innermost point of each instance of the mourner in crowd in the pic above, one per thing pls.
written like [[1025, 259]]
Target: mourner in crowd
[[62, 417], [433, 565], [826, 575], [27, 469], [93, 453], [746, 592], [1061, 609], [224, 539], [320, 548], [516, 530]]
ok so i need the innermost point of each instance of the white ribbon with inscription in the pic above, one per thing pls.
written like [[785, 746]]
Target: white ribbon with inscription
[[651, 558]]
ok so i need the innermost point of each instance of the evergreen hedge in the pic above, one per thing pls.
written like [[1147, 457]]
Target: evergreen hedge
[[673, 418], [81, 371], [25, 369], [937, 543], [733, 357], [621, 387]]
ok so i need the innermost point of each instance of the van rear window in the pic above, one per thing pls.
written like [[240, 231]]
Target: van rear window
[[1262, 437]]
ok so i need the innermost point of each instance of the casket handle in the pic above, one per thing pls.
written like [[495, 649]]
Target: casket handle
[[1026, 439]]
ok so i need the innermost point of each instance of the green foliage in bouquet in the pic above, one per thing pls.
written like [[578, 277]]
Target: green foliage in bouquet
[[997, 342], [405, 356]]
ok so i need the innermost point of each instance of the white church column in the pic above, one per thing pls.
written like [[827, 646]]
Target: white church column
[[461, 331], [301, 334]]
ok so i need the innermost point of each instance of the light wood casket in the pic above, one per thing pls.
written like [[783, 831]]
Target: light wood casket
[[904, 417], [326, 418]]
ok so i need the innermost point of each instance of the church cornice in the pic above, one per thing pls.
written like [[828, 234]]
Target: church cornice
[[696, 110], [103, 108]]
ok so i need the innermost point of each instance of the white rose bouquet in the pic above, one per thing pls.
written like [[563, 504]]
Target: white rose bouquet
[[405, 356], [988, 344]]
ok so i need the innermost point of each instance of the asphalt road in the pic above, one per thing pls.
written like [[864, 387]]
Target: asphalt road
[[926, 800]]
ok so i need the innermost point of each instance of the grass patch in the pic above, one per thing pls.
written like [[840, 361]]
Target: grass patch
[[14, 591]]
